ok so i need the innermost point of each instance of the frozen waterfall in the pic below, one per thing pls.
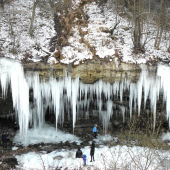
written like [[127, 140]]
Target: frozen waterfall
[[56, 94]]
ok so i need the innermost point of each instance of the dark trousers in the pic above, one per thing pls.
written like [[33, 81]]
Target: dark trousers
[[92, 156], [95, 134], [4, 144]]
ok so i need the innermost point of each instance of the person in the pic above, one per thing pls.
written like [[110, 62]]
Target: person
[[92, 149], [7, 137], [79, 153], [84, 159], [8, 141], [95, 131], [4, 140], [15, 126]]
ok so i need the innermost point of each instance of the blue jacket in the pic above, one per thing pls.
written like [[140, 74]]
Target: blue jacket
[[95, 129]]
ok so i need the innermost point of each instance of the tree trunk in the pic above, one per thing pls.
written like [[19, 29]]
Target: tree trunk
[[137, 28], [32, 19], [137, 34], [160, 25]]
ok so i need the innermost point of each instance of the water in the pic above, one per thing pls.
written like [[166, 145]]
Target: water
[[66, 93]]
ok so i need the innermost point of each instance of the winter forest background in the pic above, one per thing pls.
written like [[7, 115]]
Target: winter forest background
[[34, 29]]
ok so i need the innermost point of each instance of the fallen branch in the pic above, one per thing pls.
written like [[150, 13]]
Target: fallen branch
[[114, 27], [46, 52]]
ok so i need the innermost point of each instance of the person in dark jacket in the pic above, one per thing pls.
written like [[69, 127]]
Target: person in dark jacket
[[15, 126], [92, 149], [7, 137], [79, 153], [4, 140]]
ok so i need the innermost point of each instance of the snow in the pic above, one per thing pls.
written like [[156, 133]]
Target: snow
[[20, 14], [105, 157], [45, 134], [52, 60], [17, 37]]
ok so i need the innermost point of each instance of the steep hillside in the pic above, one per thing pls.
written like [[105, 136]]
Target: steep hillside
[[73, 32]]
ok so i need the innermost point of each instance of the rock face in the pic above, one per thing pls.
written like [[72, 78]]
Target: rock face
[[90, 71], [107, 71], [9, 163]]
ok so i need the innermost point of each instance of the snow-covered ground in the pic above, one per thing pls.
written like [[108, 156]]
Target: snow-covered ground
[[116, 157], [120, 157], [15, 34], [45, 134]]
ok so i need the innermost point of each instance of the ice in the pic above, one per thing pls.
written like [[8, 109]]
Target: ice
[[123, 109], [46, 134], [12, 74], [75, 89], [71, 94], [164, 73], [108, 114], [132, 96]]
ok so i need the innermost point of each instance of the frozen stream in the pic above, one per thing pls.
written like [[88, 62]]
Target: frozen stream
[[56, 94]]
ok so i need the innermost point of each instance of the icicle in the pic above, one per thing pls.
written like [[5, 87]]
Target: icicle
[[4, 83], [109, 113], [164, 73], [146, 89], [68, 85], [131, 97], [87, 115], [12, 72], [55, 90], [75, 85], [51, 94], [122, 108], [139, 89], [116, 88], [121, 92]]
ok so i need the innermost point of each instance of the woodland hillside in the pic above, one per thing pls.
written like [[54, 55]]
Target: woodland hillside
[[72, 31]]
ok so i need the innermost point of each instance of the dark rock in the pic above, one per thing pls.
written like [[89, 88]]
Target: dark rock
[[10, 162]]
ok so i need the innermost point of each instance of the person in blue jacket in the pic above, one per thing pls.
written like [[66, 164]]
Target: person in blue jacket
[[95, 131]]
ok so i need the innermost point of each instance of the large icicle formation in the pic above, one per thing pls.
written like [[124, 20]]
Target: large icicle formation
[[12, 73], [56, 94]]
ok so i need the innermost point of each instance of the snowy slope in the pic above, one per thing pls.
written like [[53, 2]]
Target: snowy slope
[[16, 42]]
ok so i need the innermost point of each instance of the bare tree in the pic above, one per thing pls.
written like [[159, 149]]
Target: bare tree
[[33, 16], [137, 25], [161, 22], [140, 14]]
